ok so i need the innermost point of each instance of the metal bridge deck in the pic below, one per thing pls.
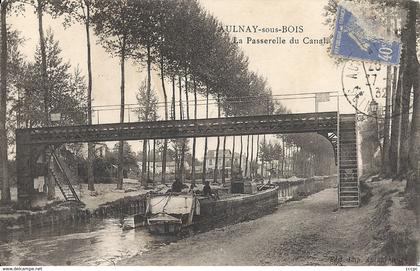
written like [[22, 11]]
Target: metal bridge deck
[[230, 126]]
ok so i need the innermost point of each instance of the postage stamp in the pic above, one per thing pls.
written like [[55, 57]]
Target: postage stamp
[[353, 40]]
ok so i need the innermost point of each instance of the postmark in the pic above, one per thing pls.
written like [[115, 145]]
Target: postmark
[[364, 87]]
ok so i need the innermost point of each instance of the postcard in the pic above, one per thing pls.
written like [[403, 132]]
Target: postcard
[[210, 133]]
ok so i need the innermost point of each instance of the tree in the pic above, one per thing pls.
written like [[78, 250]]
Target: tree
[[267, 154], [247, 156], [409, 69], [164, 16], [147, 101], [216, 162], [112, 21], [41, 6], [205, 140], [80, 10], [129, 163], [5, 191], [277, 155], [414, 67], [68, 89], [178, 148], [15, 70]]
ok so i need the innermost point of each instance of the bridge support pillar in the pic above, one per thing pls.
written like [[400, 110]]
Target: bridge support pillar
[[26, 157]]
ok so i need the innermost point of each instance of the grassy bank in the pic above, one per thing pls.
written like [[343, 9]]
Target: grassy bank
[[393, 226]]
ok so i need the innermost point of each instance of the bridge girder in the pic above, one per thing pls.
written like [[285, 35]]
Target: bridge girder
[[270, 124]]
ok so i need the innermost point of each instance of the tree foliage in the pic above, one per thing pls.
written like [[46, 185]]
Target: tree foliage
[[67, 89]]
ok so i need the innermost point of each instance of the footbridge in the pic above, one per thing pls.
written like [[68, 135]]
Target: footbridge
[[339, 129]]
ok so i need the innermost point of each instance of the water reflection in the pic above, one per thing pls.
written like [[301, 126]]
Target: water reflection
[[99, 242]]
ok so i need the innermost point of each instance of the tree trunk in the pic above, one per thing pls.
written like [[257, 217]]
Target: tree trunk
[[187, 105], [224, 160], [187, 102], [232, 158], [262, 159], [194, 139], [173, 98], [40, 6], [216, 164], [240, 155], [122, 105], [154, 161], [148, 160], [385, 149], [247, 156], [395, 122], [414, 156], [146, 144], [224, 153], [257, 153], [5, 191], [414, 153], [203, 178], [251, 169], [293, 159], [91, 146], [410, 75], [144, 163], [173, 113], [182, 165], [44, 85], [385, 166], [165, 98], [176, 162], [181, 116], [395, 130], [288, 161], [283, 157], [181, 113]]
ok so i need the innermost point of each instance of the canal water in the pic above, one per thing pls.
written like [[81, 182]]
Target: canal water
[[97, 242]]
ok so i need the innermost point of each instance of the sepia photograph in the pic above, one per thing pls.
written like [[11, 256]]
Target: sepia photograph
[[209, 133]]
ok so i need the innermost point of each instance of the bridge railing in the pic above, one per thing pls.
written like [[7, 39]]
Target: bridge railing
[[299, 102]]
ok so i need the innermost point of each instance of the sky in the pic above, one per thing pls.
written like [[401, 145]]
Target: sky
[[288, 68]]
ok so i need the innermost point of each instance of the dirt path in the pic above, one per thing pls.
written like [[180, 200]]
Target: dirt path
[[307, 232]]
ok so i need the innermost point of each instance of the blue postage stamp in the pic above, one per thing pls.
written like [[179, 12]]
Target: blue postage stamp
[[353, 41]]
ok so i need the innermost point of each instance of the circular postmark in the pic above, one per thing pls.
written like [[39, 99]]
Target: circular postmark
[[364, 85]]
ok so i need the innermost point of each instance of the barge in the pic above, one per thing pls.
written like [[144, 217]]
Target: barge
[[175, 212], [172, 213]]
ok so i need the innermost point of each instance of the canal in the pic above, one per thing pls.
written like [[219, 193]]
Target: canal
[[98, 242], [106, 241]]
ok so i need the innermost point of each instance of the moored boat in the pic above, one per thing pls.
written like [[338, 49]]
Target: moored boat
[[175, 212], [163, 223], [170, 213]]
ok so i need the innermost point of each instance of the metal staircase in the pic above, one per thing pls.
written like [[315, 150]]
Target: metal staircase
[[61, 179], [349, 189]]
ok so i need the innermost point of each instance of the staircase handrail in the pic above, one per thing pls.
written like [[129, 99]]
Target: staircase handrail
[[66, 179], [57, 181]]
